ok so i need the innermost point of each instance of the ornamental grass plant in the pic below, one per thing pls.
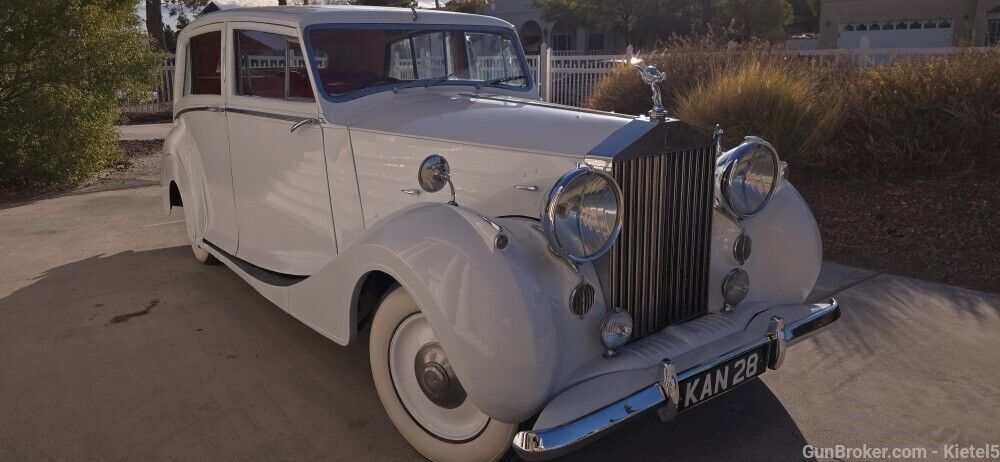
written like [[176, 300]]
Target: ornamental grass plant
[[927, 116]]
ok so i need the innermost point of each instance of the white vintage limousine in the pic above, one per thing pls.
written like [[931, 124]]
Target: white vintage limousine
[[530, 276]]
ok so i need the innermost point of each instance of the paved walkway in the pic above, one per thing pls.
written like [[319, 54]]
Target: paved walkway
[[144, 131], [116, 345]]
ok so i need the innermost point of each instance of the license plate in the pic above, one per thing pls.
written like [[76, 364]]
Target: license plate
[[713, 382]]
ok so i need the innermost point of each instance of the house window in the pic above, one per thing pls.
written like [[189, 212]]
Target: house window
[[204, 76], [270, 66], [848, 27], [595, 41], [993, 37], [561, 42]]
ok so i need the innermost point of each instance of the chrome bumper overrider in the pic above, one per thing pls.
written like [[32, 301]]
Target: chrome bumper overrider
[[664, 395]]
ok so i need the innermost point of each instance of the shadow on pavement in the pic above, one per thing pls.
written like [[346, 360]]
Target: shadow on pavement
[[150, 354]]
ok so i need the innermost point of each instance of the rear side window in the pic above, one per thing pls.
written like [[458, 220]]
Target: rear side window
[[270, 66], [204, 65]]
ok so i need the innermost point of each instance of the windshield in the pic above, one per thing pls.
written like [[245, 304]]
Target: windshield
[[349, 60]]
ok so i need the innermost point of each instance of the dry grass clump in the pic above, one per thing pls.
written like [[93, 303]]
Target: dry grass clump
[[768, 98], [939, 115], [929, 116]]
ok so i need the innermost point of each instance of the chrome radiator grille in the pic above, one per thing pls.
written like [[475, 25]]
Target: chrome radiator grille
[[659, 267]]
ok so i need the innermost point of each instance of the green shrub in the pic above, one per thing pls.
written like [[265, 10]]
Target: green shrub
[[65, 67]]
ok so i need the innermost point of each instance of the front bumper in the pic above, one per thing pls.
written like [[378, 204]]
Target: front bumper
[[664, 394]]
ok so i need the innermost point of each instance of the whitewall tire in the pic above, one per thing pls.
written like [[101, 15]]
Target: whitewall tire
[[203, 256], [420, 393]]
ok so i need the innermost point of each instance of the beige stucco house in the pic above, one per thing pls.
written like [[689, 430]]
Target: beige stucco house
[[909, 23]]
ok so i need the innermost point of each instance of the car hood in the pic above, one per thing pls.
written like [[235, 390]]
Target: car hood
[[496, 121]]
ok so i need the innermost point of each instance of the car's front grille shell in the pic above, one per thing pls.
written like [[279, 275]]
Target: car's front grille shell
[[660, 265]]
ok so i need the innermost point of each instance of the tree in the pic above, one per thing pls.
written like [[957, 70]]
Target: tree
[[65, 67], [634, 19], [806, 15], [758, 19], [467, 6], [154, 15]]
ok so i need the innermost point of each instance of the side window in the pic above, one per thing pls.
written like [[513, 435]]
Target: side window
[[204, 65], [270, 66]]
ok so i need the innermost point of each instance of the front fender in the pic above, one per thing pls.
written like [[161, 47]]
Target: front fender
[[501, 315]]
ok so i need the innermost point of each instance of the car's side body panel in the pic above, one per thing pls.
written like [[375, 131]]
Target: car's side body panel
[[279, 176]]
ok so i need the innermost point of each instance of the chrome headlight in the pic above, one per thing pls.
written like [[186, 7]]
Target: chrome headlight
[[748, 175], [582, 217]]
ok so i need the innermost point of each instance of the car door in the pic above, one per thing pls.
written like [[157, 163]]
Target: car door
[[200, 110], [276, 143]]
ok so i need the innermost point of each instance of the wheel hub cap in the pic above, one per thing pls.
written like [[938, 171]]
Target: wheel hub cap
[[436, 378]]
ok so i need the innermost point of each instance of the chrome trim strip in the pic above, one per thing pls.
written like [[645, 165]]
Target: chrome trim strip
[[543, 444], [538, 103], [269, 115], [196, 109]]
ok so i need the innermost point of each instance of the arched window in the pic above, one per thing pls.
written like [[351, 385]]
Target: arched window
[[916, 25], [563, 35], [888, 26], [861, 27], [531, 37], [875, 26], [848, 27], [930, 25], [944, 24], [902, 25]]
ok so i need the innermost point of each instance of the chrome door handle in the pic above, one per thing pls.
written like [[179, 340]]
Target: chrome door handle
[[302, 123], [214, 109], [526, 187], [412, 192]]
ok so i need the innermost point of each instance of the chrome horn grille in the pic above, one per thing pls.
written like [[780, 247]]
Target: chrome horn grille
[[659, 267]]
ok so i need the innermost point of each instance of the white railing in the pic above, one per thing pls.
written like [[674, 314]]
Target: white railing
[[160, 99], [873, 56]]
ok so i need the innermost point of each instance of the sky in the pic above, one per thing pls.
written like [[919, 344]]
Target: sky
[[172, 22]]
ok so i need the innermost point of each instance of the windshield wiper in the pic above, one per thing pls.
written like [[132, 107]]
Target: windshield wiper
[[495, 82], [425, 83]]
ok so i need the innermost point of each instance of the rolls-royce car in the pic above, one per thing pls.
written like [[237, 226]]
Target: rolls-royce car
[[528, 276]]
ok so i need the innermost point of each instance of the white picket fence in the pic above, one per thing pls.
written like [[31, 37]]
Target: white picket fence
[[571, 79], [160, 99]]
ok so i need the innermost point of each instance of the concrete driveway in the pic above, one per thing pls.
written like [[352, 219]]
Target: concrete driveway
[[115, 344]]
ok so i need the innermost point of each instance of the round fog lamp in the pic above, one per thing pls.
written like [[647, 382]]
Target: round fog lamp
[[616, 330], [735, 287]]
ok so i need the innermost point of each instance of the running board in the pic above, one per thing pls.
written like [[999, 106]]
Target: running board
[[264, 275]]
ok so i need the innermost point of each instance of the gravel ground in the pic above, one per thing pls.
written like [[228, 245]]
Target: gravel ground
[[937, 229]]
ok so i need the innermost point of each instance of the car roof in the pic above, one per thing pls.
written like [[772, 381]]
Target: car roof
[[303, 16]]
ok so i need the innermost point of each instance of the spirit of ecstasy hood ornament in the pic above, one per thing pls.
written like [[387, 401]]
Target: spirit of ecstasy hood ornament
[[653, 76]]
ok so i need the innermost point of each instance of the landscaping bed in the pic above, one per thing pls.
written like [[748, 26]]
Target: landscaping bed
[[139, 167], [938, 229]]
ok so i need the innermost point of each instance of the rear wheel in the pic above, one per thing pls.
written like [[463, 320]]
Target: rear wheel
[[203, 256], [420, 392]]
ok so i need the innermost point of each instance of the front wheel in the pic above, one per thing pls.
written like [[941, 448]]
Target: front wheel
[[420, 392]]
